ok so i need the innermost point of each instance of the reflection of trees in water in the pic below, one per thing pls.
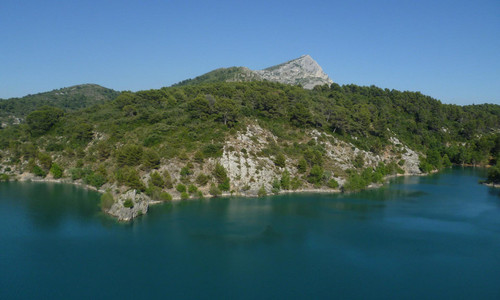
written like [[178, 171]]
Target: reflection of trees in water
[[48, 204], [495, 192]]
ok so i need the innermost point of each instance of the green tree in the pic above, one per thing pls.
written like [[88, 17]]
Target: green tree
[[494, 174], [226, 110], [42, 120], [45, 160], [219, 173], [262, 191], [285, 180], [129, 155], [280, 160], [157, 180], [151, 159], [316, 175], [302, 166]]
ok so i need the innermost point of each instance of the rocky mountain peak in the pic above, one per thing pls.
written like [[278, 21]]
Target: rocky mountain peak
[[303, 70]]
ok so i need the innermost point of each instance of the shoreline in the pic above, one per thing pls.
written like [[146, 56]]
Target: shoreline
[[28, 177], [492, 185]]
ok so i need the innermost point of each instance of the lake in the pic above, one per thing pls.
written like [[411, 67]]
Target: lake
[[434, 237]]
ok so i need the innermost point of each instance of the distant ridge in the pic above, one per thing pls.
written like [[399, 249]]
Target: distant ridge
[[68, 98], [304, 71]]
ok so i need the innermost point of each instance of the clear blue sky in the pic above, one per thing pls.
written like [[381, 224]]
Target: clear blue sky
[[446, 49]]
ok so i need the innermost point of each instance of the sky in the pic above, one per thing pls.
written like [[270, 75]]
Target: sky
[[449, 50]]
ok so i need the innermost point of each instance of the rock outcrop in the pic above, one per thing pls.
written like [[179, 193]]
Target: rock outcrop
[[129, 205], [303, 70]]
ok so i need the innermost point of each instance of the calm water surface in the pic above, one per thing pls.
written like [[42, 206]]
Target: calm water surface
[[432, 237]]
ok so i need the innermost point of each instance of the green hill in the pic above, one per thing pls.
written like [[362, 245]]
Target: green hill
[[69, 99], [232, 74], [247, 138]]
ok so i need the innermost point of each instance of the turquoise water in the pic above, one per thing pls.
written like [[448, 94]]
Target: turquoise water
[[434, 237]]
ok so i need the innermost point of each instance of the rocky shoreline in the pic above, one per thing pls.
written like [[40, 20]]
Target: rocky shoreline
[[140, 202]]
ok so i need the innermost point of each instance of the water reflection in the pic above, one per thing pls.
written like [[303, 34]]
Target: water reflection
[[49, 204]]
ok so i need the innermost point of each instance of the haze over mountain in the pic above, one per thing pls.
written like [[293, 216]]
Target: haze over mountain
[[304, 71]]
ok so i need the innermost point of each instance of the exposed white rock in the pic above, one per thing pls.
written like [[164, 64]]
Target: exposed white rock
[[410, 157], [140, 204], [303, 70]]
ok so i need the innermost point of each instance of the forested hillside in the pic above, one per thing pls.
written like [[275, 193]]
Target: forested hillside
[[68, 99], [196, 140]]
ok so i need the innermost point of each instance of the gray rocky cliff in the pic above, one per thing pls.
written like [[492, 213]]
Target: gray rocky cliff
[[303, 70]]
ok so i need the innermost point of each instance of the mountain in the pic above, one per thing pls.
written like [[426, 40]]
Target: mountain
[[250, 137], [71, 98], [304, 71]]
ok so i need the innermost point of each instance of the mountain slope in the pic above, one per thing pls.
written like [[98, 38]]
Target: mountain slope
[[245, 138], [304, 71], [69, 99]]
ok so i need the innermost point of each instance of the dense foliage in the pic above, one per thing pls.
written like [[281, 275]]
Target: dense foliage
[[115, 141], [66, 99]]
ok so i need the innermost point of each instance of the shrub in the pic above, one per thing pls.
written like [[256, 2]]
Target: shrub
[[425, 166], [165, 196], [446, 161], [192, 189], [332, 183], [302, 166], [128, 176], [107, 201], [128, 203], [79, 173], [202, 179], [494, 174], [95, 180], [4, 177], [212, 150], [184, 196], [276, 184], [198, 157], [219, 173], [168, 180], [280, 160], [285, 180], [45, 160], [296, 183], [181, 188], [316, 175], [355, 182], [39, 171], [151, 159], [359, 161], [225, 185], [214, 190], [157, 180], [262, 191], [129, 155], [154, 192], [56, 171]]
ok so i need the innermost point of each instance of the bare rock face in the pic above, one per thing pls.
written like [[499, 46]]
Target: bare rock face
[[303, 70], [129, 205]]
